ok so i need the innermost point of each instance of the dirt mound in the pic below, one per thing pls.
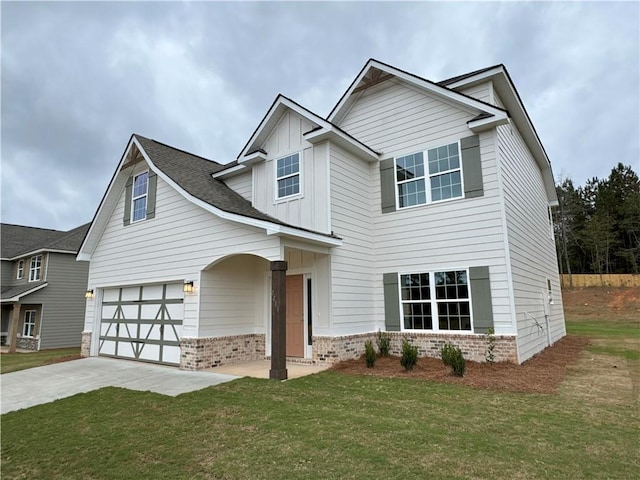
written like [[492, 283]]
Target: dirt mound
[[600, 301], [541, 374]]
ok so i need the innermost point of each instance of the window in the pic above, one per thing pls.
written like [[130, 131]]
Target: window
[[440, 180], [29, 327], [20, 273], [139, 198], [436, 301], [35, 268], [288, 176]]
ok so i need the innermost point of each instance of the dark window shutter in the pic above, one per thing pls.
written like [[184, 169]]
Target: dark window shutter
[[471, 166], [151, 195], [391, 302], [481, 299], [387, 185], [127, 201]]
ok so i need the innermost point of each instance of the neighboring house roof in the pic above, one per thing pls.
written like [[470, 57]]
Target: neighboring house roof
[[19, 240], [13, 294]]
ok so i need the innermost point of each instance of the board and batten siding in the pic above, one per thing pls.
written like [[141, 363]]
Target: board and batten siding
[[399, 120], [242, 183], [353, 294], [531, 245], [63, 303], [310, 209], [176, 245]]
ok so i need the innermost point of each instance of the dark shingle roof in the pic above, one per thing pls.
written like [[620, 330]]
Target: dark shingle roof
[[457, 78], [17, 291], [193, 174], [19, 239]]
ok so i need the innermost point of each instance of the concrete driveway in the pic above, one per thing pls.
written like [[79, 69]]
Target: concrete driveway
[[36, 386]]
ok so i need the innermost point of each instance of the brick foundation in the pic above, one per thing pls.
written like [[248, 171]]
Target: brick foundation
[[329, 350], [208, 352], [85, 346]]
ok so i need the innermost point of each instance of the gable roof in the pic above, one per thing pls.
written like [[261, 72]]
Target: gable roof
[[489, 115], [191, 176], [375, 71], [194, 175], [322, 127], [19, 240]]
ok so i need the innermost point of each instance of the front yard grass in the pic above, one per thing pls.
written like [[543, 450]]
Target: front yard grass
[[335, 426], [12, 362]]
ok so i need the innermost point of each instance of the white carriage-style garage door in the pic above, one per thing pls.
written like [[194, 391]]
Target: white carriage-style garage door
[[142, 323]]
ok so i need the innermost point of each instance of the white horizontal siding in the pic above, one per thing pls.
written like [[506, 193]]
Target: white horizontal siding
[[352, 264], [232, 297], [397, 120], [531, 244], [310, 209], [176, 245], [242, 184]]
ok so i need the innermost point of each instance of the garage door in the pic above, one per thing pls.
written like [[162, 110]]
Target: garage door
[[142, 323]]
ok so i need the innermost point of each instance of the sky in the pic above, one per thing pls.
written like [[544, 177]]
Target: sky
[[78, 78]]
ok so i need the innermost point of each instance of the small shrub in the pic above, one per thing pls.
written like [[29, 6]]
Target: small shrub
[[490, 355], [452, 356], [384, 343], [369, 354], [409, 356]]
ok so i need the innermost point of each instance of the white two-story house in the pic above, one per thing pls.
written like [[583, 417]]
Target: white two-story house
[[417, 208]]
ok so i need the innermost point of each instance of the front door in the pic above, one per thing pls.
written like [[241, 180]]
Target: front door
[[295, 316]]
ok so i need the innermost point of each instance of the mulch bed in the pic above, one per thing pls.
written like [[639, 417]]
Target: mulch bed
[[540, 374]]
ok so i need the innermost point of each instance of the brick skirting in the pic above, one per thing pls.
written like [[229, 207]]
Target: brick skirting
[[474, 347], [208, 352]]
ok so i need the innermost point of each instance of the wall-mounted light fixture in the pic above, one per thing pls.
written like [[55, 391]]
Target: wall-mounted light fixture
[[88, 294], [187, 287]]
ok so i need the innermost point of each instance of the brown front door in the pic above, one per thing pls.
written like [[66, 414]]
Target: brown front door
[[295, 316]]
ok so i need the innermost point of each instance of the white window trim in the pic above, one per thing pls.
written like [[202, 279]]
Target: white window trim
[[134, 198], [427, 177], [20, 272], [434, 301], [32, 321], [35, 269], [276, 178]]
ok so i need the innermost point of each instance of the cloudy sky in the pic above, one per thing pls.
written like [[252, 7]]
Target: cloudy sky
[[78, 78]]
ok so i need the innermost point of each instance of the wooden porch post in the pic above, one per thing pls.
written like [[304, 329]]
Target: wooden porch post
[[278, 320], [13, 331]]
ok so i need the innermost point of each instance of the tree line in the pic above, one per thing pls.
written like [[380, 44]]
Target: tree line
[[597, 225]]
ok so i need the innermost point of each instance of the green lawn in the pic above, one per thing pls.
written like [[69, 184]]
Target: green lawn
[[333, 426], [12, 362]]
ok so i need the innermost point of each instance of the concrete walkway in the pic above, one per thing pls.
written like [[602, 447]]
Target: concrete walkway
[[36, 386], [260, 369]]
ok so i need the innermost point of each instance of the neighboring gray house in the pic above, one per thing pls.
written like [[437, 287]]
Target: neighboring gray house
[[43, 287]]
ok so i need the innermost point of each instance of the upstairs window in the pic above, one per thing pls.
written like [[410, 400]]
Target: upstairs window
[[20, 273], [35, 268], [440, 179], [139, 203], [288, 176]]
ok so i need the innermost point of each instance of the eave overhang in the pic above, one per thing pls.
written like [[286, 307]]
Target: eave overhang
[[16, 298], [337, 136]]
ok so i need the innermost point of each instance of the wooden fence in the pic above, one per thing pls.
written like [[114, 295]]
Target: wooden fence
[[595, 280]]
